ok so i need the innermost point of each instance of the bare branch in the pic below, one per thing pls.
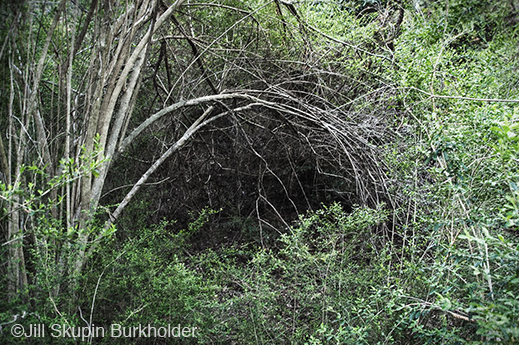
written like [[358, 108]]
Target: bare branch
[[189, 132], [466, 98], [181, 104]]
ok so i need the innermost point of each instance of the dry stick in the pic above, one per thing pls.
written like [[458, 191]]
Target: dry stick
[[189, 132], [97, 287], [435, 307], [209, 46], [270, 171], [355, 47], [208, 4], [335, 129], [196, 53], [41, 62], [68, 115], [14, 25], [131, 184], [199, 123], [5, 162], [181, 104], [82, 33], [42, 139], [466, 98], [16, 255], [100, 123], [109, 104], [293, 168], [58, 312]]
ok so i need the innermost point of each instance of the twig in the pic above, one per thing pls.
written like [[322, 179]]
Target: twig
[[466, 98]]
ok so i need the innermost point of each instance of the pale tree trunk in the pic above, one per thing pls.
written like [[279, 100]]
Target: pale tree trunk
[[121, 35], [17, 277], [16, 274], [117, 74]]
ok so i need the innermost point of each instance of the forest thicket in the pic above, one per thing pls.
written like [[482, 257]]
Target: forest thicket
[[259, 172]]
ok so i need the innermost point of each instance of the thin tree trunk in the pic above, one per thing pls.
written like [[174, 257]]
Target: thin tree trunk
[[17, 276]]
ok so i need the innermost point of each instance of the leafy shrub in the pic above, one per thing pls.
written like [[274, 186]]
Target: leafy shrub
[[325, 285], [147, 281]]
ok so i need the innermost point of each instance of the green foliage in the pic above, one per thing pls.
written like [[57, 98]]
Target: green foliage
[[494, 305], [332, 19], [462, 257], [472, 289], [314, 289], [53, 250], [145, 280], [444, 271], [507, 147]]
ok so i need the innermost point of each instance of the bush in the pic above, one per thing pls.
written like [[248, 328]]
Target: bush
[[326, 284]]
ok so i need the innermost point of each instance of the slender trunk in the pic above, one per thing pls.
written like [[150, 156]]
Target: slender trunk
[[109, 115], [17, 276], [118, 52]]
